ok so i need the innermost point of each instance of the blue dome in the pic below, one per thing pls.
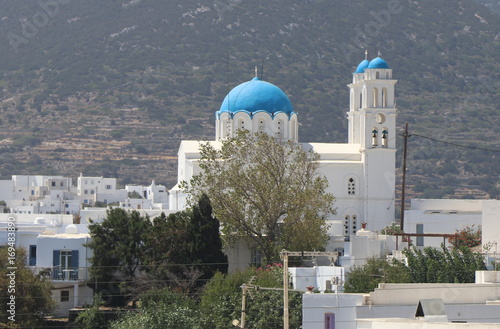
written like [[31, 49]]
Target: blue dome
[[256, 95], [362, 66], [378, 63]]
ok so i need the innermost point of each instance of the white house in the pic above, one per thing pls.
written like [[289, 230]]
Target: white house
[[360, 172], [475, 303], [449, 215]]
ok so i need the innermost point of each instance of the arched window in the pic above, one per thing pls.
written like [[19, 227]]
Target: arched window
[[360, 100], [385, 138], [384, 97], [375, 97], [377, 75], [387, 75], [351, 186], [374, 137]]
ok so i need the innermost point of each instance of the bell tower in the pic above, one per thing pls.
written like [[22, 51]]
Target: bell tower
[[372, 125], [372, 111]]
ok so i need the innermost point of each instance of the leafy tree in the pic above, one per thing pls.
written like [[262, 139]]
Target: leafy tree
[[117, 245], [185, 248], [92, 317], [33, 294], [161, 308], [265, 189], [429, 265], [221, 300], [362, 279]]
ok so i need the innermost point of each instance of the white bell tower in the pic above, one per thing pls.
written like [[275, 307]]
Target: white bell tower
[[372, 125]]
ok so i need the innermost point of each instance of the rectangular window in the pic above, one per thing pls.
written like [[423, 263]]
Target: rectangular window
[[86, 192], [32, 192], [420, 230], [53, 183], [92, 192], [329, 320], [108, 187], [32, 255], [64, 296]]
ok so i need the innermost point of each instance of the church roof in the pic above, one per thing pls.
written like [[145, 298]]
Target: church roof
[[256, 96], [378, 63], [362, 66]]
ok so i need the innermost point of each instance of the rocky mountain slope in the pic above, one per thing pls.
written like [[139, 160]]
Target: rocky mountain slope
[[111, 87]]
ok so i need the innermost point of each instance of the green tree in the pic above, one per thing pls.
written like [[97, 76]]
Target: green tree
[[185, 248], [93, 317], [221, 300], [267, 190], [363, 279], [161, 308], [118, 245], [33, 299], [429, 265]]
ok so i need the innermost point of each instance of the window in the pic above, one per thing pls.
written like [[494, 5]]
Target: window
[[108, 187], [92, 191], [377, 75], [347, 224], [32, 255], [350, 226], [385, 139], [420, 239], [64, 296], [374, 137], [329, 320], [384, 97], [61, 184], [32, 192], [53, 183], [351, 186], [65, 264], [86, 192], [375, 97]]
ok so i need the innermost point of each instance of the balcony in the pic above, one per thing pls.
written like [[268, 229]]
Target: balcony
[[63, 274]]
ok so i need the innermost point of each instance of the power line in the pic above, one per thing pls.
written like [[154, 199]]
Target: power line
[[456, 144]]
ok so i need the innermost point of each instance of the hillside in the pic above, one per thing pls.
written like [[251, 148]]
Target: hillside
[[110, 88]]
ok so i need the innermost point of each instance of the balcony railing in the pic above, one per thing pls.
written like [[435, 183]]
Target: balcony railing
[[58, 273]]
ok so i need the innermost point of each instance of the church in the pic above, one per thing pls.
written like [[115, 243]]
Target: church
[[361, 172]]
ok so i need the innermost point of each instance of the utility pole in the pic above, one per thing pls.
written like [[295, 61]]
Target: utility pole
[[284, 256], [403, 184]]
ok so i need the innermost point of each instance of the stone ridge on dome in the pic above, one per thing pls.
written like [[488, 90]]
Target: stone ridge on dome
[[255, 96]]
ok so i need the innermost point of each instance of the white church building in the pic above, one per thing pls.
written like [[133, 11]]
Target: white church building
[[361, 172]]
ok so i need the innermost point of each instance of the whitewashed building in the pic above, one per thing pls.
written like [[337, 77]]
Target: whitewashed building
[[361, 172], [396, 306]]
